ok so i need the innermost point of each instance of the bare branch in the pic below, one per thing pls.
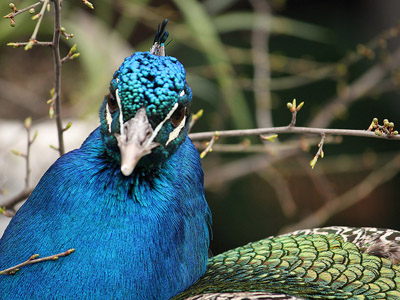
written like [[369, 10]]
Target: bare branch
[[281, 187], [57, 74], [356, 90], [349, 198], [34, 260], [259, 42], [236, 169], [209, 145], [289, 129], [10, 203], [36, 43], [320, 152], [33, 40], [20, 11]]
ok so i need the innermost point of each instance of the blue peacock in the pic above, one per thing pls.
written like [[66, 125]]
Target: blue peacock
[[131, 202]]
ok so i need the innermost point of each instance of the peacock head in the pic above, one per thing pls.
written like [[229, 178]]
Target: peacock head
[[145, 117]]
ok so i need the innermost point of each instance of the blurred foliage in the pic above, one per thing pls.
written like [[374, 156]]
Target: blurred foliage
[[315, 52]]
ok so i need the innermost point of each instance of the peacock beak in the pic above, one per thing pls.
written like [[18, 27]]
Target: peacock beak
[[135, 141]]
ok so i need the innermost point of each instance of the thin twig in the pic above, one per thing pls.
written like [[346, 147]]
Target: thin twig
[[289, 129], [359, 88], [37, 43], [349, 198], [57, 74], [33, 40], [209, 145], [259, 42], [246, 146], [33, 260], [319, 179], [281, 187], [239, 168], [320, 152], [20, 11], [195, 118], [21, 196]]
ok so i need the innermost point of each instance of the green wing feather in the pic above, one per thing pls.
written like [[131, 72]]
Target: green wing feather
[[311, 266]]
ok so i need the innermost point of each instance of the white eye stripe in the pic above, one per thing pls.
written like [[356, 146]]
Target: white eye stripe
[[182, 93], [108, 118], [121, 117], [158, 128], [175, 133]]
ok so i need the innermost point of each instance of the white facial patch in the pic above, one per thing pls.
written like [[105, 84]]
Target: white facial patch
[[182, 93], [108, 118], [175, 133], [159, 126], [121, 117]]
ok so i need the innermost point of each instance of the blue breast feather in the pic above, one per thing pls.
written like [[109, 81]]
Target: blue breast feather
[[145, 236]]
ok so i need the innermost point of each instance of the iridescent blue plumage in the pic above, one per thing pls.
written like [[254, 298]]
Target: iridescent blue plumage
[[142, 233]]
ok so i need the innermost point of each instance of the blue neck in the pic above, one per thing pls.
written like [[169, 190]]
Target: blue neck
[[137, 237]]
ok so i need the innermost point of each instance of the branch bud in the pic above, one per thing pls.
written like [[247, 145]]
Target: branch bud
[[35, 17], [313, 162], [289, 106], [378, 132], [34, 256], [270, 138], [51, 111], [16, 152], [12, 22], [395, 132], [28, 122], [32, 11], [300, 106], [73, 49], [29, 45], [88, 4], [35, 135], [385, 121], [391, 125], [75, 55], [68, 126]]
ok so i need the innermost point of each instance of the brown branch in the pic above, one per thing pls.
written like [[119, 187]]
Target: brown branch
[[34, 260], [320, 181], [320, 152], [359, 88], [21, 196], [282, 191], [246, 147], [289, 129], [36, 43], [349, 198], [32, 39], [20, 11], [239, 168], [209, 145], [57, 73], [262, 74]]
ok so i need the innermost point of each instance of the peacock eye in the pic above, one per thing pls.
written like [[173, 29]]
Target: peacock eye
[[178, 116], [112, 103]]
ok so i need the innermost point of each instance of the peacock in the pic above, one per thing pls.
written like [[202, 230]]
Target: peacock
[[131, 202]]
